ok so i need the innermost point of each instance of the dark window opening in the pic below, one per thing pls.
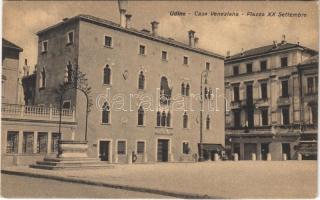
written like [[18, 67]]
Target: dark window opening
[[140, 147], [249, 68], [27, 142], [285, 116], [121, 147], [42, 142], [208, 123], [235, 70], [106, 75], [284, 61], [158, 118], [285, 88], [105, 113], [185, 60], [185, 120], [108, 41], [12, 141], [164, 55], [236, 93], [264, 90], [142, 50], [140, 116], [310, 85], [207, 66], [185, 148], [237, 119], [264, 116], [263, 66], [141, 81]]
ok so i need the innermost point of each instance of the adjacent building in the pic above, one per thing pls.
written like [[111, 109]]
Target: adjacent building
[[271, 96], [137, 79], [28, 132]]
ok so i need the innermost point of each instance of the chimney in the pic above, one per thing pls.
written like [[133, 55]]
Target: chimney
[[123, 4], [191, 38], [128, 19], [228, 54], [283, 38], [196, 41], [154, 26]]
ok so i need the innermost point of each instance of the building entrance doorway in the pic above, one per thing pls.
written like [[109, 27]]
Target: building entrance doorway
[[249, 149], [236, 149], [104, 150], [264, 151], [163, 150], [286, 150]]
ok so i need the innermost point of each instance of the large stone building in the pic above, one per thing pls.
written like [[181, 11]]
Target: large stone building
[[268, 90], [126, 68], [28, 133]]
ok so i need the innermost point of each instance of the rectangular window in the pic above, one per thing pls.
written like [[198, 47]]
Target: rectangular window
[[237, 119], [284, 61], [12, 141], [263, 65], [235, 70], [207, 66], [285, 88], [122, 147], [264, 116], [264, 90], [285, 116], [107, 41], [142, 50], [140, 147], [314, 113], [70, 37], [185, 60], [236, 96], [310, 85], [316, 84], [249, 68], [54, 142], [42, 143], [27, 142], [185, 148], [164, 55], [66, 104], [44, 46]]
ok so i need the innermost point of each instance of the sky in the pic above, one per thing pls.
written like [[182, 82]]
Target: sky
[[22, 19]]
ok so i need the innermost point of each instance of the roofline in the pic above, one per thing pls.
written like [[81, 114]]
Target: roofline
[[11, 47], [137, 33], [229, 61]]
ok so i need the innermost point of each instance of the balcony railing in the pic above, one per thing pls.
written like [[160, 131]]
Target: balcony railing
[[282, 101], [14, 111]]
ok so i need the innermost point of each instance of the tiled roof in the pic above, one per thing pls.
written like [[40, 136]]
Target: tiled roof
[[8, 44], [266, 49], [144, 34]]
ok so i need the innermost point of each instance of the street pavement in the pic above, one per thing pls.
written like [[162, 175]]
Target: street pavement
[[28, 187], [222, 179]]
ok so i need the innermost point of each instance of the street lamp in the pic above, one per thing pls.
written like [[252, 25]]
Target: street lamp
[[203, 74]]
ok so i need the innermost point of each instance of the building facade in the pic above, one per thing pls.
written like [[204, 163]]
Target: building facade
[[264, 90], [28, 132], [137, 81]]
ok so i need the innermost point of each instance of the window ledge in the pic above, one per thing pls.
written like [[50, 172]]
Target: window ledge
[[109, 47], [69, 44], [106, 85], [42, 88], [105, 123], [141, 126], [142, 54], [164, 60]]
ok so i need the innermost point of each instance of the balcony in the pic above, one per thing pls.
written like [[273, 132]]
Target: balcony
[[262, 102], [237, 104], [14, 111], [284, 101], [311, 97]]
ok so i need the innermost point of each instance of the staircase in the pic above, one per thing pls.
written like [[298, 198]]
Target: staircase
[[70, 163]]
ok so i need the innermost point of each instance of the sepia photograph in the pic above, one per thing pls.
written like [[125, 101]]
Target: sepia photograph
[[123, 99]]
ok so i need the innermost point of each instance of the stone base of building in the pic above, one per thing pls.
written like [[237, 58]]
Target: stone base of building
[[72, 155]]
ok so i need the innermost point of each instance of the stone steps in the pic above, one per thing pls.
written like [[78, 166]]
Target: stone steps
[[70, 163]]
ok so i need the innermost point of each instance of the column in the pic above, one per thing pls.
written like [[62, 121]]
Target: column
[[259, 156], [35, 141], [20, 145], [49, 142], [241, 151]]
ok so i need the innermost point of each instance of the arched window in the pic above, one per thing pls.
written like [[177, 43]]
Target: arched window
[[106, 75], [168, 119], [205, 92], [42, 79], [165, 91], [69, 68], [208, 122], [163, 119], [158, 118], [106, 113], [182, 89], [185, 120], [140, 116], [141, 81], [187, 89], [210, 93]]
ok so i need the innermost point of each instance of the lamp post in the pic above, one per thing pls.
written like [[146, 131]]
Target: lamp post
[[204, 73]]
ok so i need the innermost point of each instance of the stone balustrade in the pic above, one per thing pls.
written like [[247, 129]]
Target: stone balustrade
[[50, 113]]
